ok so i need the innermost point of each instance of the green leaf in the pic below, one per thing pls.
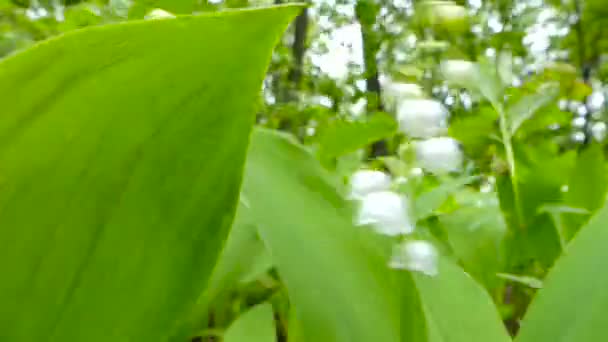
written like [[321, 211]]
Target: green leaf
[[556, 212], [457, 308], [243, 259], [476, 235], [255, 325], [341, 137], [586, 188], [571, 304], [505, 67], [121, 163], [428, 202], [488, 83], [336, 275], [528, 105], [475, 131]]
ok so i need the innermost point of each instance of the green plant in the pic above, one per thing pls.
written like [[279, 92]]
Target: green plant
[[445, 184]]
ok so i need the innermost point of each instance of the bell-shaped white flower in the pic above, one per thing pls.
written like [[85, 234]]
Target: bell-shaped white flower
[[422, 118], [419, 256], [459, 72], [364, 182], [400, 90], [450, 11], [159, 13], [439, 155], [598, 131], [394, 92], [386, 212], [595, 101], [578, 137], [579, 122]]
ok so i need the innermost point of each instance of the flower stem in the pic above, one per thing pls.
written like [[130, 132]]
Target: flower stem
[[507, 142]]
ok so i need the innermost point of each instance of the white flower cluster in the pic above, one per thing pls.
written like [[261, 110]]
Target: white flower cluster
[[387, 212], [427, 120]]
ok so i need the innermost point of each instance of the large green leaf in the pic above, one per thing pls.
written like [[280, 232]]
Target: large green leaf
[[255, 325], [527, 105], [243, 259], [476, 234], [586, 187], [121, 161], [458, 309], [571, 306], [336, 277]]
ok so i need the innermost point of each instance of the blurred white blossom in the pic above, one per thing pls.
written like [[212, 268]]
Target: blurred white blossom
[[416, 172], [598, 131], [578, 122], [364, 182], [422, 118], [578, 137], [395, 92], [573, 106], [386, 212], [36, 11], [420, 256], [439, 155], [448, 11], [459, 71], [595, 101], [159, 13]]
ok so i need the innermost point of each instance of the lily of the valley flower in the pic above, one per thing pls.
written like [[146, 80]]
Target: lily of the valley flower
[[386, 212], [159, 13], [422, 118], [439, 155], [364, 182], [395, 92], [459, 71], [598, 131], [420, 256]]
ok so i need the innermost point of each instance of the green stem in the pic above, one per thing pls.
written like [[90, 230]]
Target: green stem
[[507, 142]]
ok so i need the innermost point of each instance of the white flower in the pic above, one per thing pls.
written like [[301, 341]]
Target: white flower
[[595, 102], [439, 155], [418, 255], [422, 118], [159, 13], [395, 92], [579, 122], [386, 212], [450, 12], [598, 130], [578, 137], [573, 106], [403, 90], [459, 71], [364, 182]]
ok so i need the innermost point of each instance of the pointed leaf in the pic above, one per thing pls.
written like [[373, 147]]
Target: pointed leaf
[[339, 283], [586, 188], [255, 325], [121, 163], [571, 305], [529, 104], [457, 308]]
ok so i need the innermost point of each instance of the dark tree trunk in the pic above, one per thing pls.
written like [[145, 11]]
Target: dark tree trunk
[[583, 64], [366, 12], [298, 49]]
